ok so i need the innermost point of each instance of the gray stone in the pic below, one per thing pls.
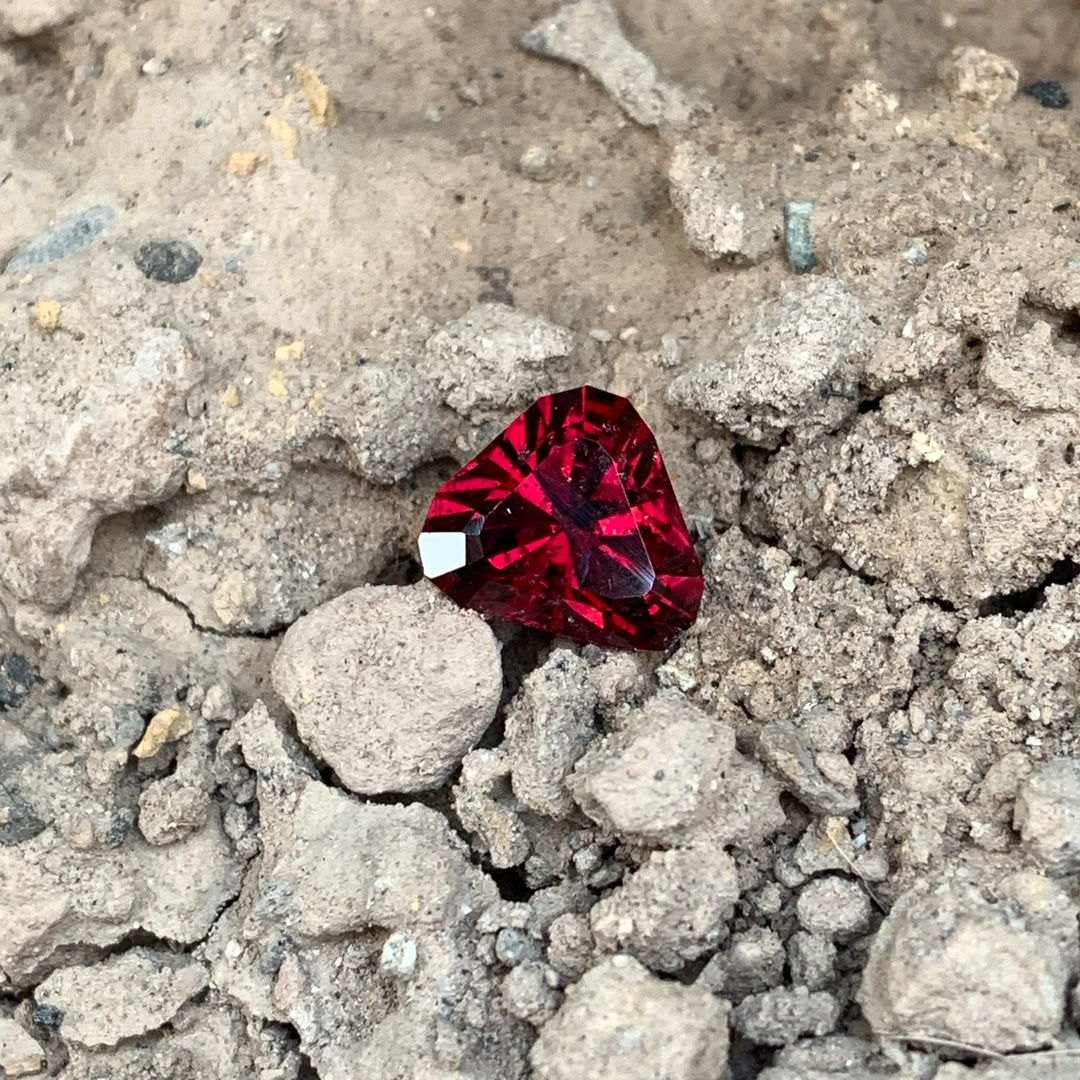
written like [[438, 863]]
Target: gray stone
[[513, 946], [171, 262], [671, 910], [398, 957], [784, 748], [529, 993], [811, 959], [797, 237], [753, 961], [64, 238]]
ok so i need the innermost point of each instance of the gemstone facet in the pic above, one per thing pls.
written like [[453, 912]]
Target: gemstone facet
[[568, 522]]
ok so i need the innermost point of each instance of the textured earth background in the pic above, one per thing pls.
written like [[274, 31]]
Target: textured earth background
[[271, 807]]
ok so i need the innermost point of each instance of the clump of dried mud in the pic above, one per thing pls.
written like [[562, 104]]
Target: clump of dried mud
[[271, 807]]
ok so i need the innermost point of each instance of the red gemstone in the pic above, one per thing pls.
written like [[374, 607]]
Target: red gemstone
[[568, 522]]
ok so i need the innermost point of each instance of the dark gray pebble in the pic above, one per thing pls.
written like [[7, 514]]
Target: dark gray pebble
[[171, 261], [274, 956], [123, 821], [1049, 93], [63, 238], [17, 676], [20, 821], [47, 1016], [128, 726]]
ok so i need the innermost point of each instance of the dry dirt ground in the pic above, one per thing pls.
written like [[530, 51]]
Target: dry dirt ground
[[271, 807]]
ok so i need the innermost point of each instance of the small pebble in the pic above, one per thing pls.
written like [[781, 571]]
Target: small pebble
[[155, 66], [398, 959], [123, 821], [17, 676], [512, 947], [535, 163], [46, 315], [670, 351], [170, 261], [1049, 93], [167, 726], [273, 956], [800, 247], [917, 255], [47, 1016], [273, 34], [219, 704]]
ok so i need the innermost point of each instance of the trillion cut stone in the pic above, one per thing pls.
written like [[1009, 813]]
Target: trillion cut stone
[[568, 522]]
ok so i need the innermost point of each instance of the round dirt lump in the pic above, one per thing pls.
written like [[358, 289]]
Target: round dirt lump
[[390, 686]]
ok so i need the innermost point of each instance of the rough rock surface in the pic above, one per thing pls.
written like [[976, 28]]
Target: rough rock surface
[[753, 961], [769, 635], [65, 465], [722, 218], [621, 1020], [781, 1016], [306, 943], [671, 910], [20, 1055], [587, 32], [57, 903], [480, 369], [25, 18], [805, 346], [871, 489], [950, 964], [124, 996], [1048, 816], [977, 77], [256, 563], [390, 686], [671, 774], [833, 907]]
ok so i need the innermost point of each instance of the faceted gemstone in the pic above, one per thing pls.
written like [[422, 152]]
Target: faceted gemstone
[[568, 522]]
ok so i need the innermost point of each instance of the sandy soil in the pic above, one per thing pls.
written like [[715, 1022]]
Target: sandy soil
[[272, 807]]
